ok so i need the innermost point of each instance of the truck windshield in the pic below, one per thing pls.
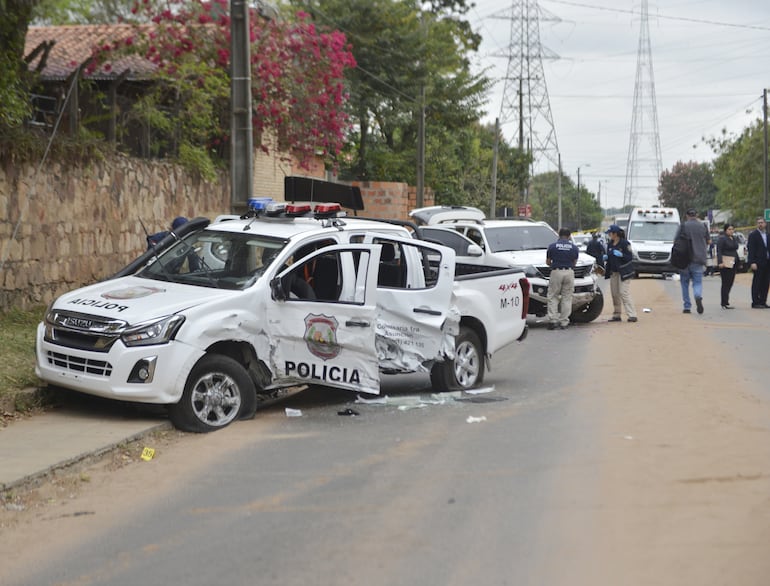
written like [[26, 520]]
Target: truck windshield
[[662, 231], [223, 260], [513, 238]]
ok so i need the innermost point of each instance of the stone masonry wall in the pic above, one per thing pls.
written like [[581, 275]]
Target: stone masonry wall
[[69, 226]]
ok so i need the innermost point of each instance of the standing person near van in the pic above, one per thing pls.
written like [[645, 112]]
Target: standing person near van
[[596, 249], [727, 261], [758, 263], [619, 254], [698, 234], [561, 256]]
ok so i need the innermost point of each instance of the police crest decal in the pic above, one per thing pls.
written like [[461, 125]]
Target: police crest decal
[[321, 336]]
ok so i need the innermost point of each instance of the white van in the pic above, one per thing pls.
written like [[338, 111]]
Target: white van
[[651, 232]]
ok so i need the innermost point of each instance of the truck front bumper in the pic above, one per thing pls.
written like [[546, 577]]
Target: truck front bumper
[[148, 374], [583, 293]]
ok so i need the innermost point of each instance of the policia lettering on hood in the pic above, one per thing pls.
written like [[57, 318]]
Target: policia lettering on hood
[[328, 372], [99, 303]]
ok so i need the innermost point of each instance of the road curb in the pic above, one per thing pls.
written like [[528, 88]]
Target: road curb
[[95, 453]]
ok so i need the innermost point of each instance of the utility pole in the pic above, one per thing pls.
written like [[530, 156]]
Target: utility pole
[[493, 202], [242, 141], [558, 188], [579, 223], [421, 151], [764, 166], [599, 197], [579, 220]]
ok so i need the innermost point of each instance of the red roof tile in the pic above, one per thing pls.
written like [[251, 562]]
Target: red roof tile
[[74, 45]]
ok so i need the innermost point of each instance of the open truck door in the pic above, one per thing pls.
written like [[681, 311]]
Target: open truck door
[[416, 322], [322, 327]]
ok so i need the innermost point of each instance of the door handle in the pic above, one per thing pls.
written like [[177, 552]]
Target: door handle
[[428, 311], [358, 324]]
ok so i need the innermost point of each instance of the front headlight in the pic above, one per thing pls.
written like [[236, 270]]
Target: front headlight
[[158, 331]]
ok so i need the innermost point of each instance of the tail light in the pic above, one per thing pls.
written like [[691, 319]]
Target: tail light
[[524, 284]]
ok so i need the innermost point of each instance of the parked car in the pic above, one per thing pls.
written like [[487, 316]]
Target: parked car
[[581, 239]]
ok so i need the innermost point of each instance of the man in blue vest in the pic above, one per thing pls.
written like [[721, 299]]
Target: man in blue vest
[[561, 256]]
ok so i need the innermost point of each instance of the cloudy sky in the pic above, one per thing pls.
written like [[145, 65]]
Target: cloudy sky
[[711, 61]]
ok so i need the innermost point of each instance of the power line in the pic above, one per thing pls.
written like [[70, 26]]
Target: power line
[[663, 16]]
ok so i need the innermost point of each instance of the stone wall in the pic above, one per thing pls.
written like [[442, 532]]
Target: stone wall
[[75, 225], [68, 226]]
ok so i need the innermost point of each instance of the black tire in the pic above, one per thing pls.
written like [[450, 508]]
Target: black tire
[[591, 311], [466, 371], [217, 392]]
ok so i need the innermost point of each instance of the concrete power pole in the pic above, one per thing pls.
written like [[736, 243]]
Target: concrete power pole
[[242, 139], [644, 159]]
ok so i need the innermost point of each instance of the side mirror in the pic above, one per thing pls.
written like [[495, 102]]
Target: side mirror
[[276, 289], [475, 250]]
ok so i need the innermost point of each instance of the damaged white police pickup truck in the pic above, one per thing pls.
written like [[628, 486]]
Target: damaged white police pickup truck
[[221, 316]]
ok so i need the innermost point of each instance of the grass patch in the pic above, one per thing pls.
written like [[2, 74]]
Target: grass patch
[[17, 339]]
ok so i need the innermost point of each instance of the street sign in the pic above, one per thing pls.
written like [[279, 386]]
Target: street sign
[[767, 215]]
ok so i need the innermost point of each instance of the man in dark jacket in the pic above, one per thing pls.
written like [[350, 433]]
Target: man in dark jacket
[[596, 249], [758, 263], [698, 234]]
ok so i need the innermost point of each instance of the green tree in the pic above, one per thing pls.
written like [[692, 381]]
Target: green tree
[[297, 80], [688, 185], [544, 196], [405, 51], [15, 16], [739, 171]]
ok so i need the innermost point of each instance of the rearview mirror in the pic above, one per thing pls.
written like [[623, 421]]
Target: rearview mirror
[[475, 250]]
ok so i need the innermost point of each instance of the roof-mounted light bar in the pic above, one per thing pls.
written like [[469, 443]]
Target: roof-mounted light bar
[[259, 203], [294, 210], [266, 207], [327, 210]]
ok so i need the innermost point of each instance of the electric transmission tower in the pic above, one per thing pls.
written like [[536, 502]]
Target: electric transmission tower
[[644, 160], [525, 96]]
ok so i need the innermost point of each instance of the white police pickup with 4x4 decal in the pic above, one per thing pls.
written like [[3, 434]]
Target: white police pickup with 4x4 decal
[[221, 316], [513, 243]]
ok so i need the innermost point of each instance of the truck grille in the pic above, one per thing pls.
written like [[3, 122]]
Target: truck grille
[[82, 331], [78, 364], [658, 256], [580, 272]]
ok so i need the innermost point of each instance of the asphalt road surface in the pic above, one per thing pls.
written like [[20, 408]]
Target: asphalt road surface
[[610, 453]]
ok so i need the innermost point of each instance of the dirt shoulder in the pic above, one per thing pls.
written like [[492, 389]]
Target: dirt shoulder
[[684, 475]]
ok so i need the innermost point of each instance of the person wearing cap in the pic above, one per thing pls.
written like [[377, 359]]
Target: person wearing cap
[[618, 254], [758, 263], [698, 234], [561, 256]]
